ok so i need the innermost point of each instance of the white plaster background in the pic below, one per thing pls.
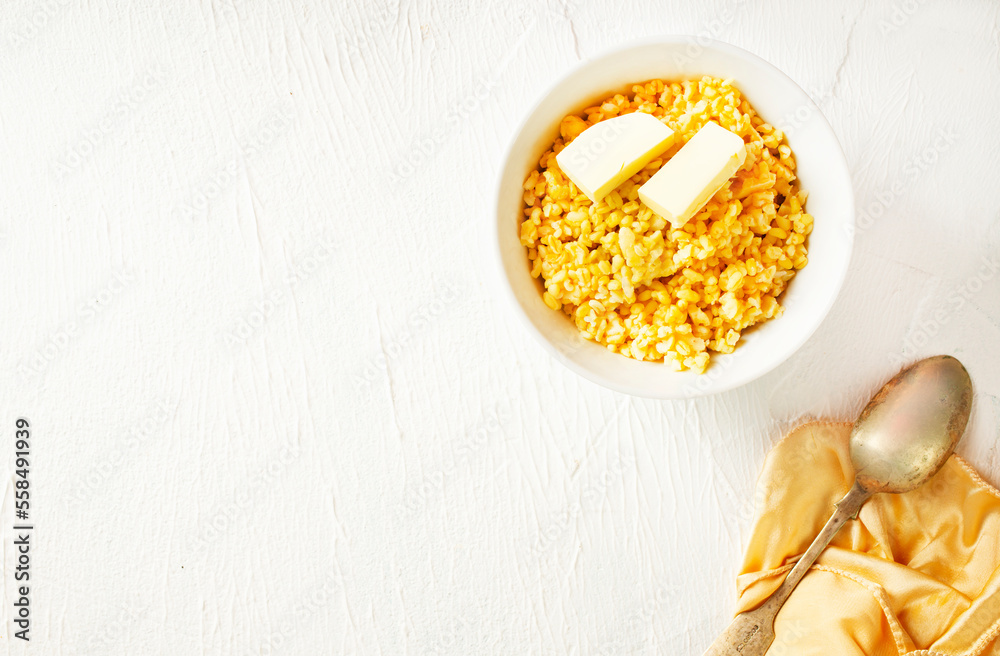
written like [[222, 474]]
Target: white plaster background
[[387, 464]]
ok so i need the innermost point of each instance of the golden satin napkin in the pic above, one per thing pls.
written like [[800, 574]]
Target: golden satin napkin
[[916, 573]]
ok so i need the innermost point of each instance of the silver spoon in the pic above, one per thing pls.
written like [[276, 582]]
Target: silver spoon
[[902, 438]]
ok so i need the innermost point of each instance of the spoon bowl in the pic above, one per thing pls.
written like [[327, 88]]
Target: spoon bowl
[[907, 431]]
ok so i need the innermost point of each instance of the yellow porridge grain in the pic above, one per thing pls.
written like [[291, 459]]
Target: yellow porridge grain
[[650, 292]]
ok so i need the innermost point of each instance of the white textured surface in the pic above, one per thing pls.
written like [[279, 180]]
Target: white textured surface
[[386, 464]]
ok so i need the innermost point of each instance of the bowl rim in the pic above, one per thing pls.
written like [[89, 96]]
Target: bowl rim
[[724, 384]]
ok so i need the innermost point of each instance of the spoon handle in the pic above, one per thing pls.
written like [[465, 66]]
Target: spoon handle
[[752, 632], [847, 509]]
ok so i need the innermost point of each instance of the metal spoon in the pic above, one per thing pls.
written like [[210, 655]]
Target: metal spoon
[[902, 438]]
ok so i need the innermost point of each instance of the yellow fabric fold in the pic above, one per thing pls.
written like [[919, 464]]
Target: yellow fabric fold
[[916, 573]]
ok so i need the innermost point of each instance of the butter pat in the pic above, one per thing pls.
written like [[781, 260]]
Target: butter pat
[[610, 152], [691, 177]]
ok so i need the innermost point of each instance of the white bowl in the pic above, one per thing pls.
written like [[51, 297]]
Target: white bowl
[[822, 171]]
